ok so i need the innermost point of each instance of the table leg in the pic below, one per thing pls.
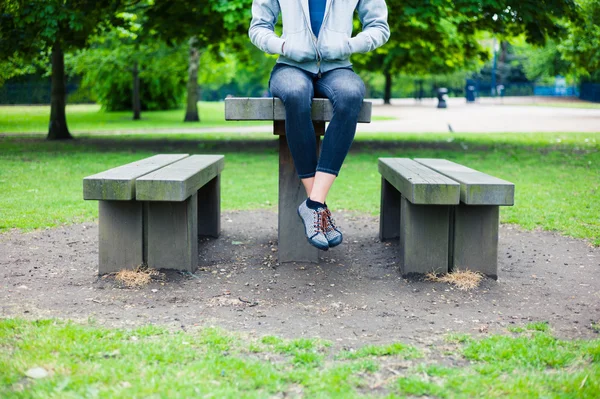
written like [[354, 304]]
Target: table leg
[[293, 245]]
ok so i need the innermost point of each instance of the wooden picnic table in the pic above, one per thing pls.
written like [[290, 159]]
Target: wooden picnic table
[[293, 245]]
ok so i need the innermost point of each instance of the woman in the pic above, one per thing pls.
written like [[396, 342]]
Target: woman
[[314, 52]]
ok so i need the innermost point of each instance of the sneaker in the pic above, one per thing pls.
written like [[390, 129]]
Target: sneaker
[[332, 233], [314, 221]]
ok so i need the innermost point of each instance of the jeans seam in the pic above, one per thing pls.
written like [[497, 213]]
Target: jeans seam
[[307, 175], [328, 89]]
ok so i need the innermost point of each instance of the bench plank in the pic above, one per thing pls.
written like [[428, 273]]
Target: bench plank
[[476, 188], [419, 184], [272, 108], [119, 183], [180, 180]]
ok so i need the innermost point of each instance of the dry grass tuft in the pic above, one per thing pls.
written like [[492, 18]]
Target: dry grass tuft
[[136, 278], [463, 279]]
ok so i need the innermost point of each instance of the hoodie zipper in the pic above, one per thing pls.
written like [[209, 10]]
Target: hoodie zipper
[[316, 40], [323, 27]]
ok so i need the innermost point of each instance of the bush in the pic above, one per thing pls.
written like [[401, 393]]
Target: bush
[[107, 71]]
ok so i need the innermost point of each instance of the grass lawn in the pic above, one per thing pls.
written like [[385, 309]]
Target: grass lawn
[[567, 104], [89, 361], [557, 176], [91, 118], [557, 179]]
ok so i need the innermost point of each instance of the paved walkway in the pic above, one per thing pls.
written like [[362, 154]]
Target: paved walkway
[[487, 116]]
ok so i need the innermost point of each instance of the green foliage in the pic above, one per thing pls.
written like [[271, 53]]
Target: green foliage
[[107, 68], [442, 37], [30, 26], [17, 66], [542, 63], [424, 40], [210, 21], [580, 47]]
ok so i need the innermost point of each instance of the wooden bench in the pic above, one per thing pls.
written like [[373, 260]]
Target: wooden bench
[[445, 214], [152, 211], [292, 243]]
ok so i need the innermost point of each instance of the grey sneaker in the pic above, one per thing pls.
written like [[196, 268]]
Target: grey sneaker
[[314, 221], [332, 233]]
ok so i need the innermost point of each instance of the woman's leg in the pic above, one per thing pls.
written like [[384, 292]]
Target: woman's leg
[[346, 91], [295, 88]]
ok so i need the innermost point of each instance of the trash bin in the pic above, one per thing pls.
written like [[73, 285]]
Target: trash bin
[[441, 96], [470, 91]]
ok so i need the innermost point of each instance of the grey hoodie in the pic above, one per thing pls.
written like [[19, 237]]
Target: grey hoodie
[[333, 47]]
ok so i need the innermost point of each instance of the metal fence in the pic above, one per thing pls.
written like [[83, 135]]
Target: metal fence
[[37, 93], [590, 92]]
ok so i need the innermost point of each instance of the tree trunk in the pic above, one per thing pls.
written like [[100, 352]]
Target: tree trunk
[[502, 69], [191, 112], [136, 103], [58, 129], [387, 96]]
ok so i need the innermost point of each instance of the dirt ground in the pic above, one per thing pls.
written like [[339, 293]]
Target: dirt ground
[[354, 296]]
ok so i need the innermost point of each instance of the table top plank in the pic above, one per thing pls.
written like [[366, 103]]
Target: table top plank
[[119, 183], [476, 188], [179, 180], [272, 108], [418, 183]]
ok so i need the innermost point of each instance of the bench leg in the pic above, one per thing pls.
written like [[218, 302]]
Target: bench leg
[[172, 230], [120, 238], [424, 233], [389, 216], [209, 208], [476, 238], [293, 245]]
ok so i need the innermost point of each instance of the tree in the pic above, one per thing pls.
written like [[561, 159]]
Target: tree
[[542, 63], [129, 67], [442, 36], [111, 63], [424, 40], [31, 27], [204, 25]]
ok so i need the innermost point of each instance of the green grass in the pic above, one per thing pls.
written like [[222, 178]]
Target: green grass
[[83, 118], [90, 117], [530, 365], [395, 349], [567, 104], [556, 175], [149, 361]]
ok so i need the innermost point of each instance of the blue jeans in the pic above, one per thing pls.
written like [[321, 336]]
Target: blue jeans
[[296, 88]]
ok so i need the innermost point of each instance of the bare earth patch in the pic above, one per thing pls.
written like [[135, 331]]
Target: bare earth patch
[[354, 296]]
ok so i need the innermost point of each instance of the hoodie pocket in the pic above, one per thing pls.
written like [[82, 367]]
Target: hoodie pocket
[[334, 45], [299, 47]]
